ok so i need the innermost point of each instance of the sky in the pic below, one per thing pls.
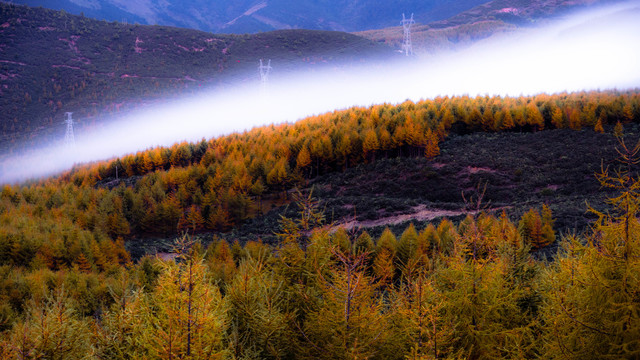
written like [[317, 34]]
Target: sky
[[593, 50]]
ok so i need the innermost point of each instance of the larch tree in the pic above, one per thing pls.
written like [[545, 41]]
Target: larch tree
[[507, 120], [574, 119], [119, 334], [618, 130], [420, 326], [557, 118], [488, 120], [260, 326], [627, 113], [536, 229], [350, 322], [257, 189], [303, 161], [219, 258], [534, 117], [51, 330], [385, 141], [406, 249], [370, 145], [480, 305], [279, 175], [447, 118], [364, 243], [598, 127], [384, 257], [593, 309], [185, 317], [431, 148]]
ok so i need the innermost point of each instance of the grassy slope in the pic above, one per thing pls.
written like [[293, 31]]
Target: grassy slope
[[52, 62]]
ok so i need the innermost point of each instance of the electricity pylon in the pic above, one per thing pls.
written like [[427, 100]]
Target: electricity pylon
[[406, 42], [69, 139], [264, 74]]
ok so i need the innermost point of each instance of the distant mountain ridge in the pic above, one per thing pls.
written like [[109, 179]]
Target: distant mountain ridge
[[482, 21], [439, 23], [251, 16], [52, 62]]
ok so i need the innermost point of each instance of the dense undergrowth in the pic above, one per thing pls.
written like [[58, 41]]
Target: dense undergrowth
[[466, 290]]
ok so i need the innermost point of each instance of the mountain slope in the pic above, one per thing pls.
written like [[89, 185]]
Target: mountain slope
[[242, 16], [482, 21], [52, 62]]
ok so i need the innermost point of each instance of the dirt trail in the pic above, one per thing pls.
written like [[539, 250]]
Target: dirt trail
[[421, 213]]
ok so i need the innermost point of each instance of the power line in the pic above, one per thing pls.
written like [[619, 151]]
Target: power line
[[406, 41]]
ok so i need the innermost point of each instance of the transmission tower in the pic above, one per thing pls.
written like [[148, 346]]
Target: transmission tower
[[264, 74], [406, 42], [69, 139]]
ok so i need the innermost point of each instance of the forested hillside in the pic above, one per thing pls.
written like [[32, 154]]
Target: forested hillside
[[52, 62], [217, 184], [474, 288]]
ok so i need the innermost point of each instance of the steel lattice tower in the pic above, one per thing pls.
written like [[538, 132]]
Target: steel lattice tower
[[264, 74], [406, 42], [69, 139]]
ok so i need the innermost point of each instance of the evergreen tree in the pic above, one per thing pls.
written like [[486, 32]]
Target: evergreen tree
[[482, 306], [384, 256], [51, 330], [364, 243], [260, 327], [407, 247], [536, 230], [593, 309], [120, 333], [419, 319], [431, 148], [350, 322], [185, 316]]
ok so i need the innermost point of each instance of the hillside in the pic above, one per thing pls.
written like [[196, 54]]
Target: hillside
[[252, 16], [373, 196], [441, 148], [485, 20], [52, 62], [458, 215]]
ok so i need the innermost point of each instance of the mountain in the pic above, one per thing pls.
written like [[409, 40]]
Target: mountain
[[482, 21], [440, 24], [52, 62], [251, 16]]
